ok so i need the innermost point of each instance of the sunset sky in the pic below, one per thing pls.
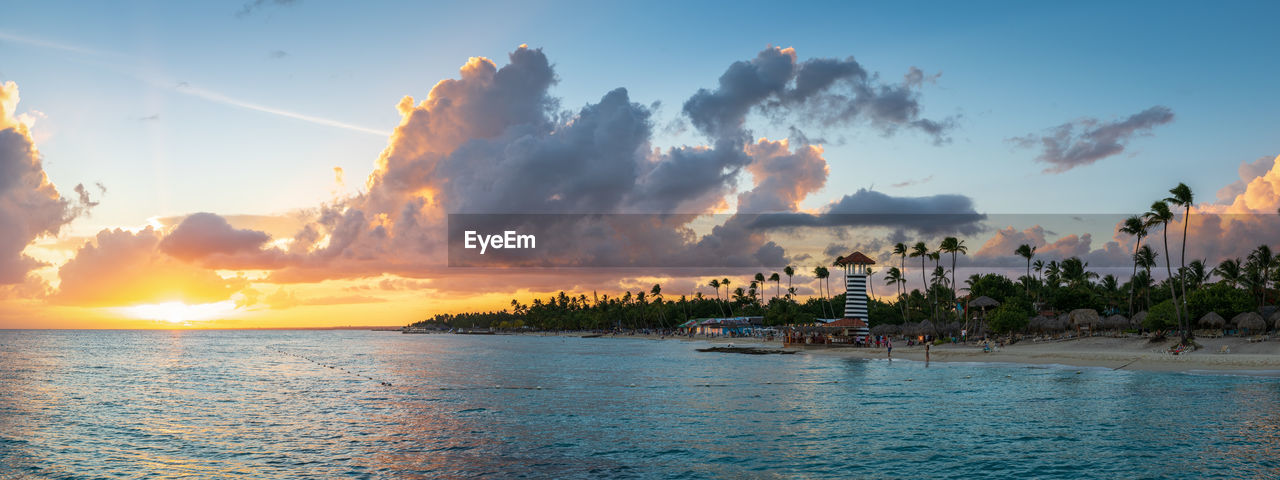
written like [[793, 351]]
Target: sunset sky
[[290, 163]]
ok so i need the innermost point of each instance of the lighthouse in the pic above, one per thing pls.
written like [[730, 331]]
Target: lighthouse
[[855, 290]]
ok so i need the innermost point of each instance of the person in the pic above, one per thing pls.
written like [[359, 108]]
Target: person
[[888, 343], [926, 352]]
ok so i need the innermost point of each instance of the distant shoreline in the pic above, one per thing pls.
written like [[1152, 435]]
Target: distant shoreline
[[1132, 353]]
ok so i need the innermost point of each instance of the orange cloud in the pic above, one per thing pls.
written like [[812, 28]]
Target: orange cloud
[[123, 268]]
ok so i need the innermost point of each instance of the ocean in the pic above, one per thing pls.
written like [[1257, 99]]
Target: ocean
[[364, 404]]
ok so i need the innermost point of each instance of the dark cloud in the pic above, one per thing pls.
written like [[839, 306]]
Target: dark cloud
[[1086, 141], [908, 183], [936, 214], [824, 91]]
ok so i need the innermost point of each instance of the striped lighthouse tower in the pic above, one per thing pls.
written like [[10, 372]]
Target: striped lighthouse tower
[[855, 289]]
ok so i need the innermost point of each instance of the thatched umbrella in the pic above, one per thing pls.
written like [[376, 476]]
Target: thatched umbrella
[[1212, 320], [1039, 323], [1082, 318], [1138, 318], [926, 327], [1115, 322], [1250, 322], [984, 302], [952, 328], [885, 329], [1275, 320]]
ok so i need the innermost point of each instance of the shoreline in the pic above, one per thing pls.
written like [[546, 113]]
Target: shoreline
[[1131, 353]]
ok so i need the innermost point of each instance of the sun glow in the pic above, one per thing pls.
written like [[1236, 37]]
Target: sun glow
[[179, 312]]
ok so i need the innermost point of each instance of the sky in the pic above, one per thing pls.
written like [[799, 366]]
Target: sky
[[279, 121]]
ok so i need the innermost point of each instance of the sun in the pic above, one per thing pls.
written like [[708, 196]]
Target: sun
[[180, 313]]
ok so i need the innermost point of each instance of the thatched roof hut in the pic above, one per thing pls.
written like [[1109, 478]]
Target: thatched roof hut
[[1114, 322], [1083, 318], [885, 329], [952, 328], [1275, 320], [1138, 318], [926, 328], [1048, 324], [1212, 320], [1250, 322]]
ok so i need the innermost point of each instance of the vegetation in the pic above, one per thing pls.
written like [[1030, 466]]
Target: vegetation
[[1177, 301]]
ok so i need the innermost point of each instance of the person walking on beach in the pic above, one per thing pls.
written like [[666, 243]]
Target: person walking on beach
[[888, 343], [926, 351]]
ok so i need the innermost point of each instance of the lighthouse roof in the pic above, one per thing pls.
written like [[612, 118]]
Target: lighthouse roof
[[855, 258]]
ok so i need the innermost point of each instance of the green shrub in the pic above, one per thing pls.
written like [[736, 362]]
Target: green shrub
[[1161, 316], [1008, 318]]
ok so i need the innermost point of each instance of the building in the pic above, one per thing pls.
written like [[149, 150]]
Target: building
[[855, 291]]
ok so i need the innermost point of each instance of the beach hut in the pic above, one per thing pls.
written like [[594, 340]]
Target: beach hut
[[1083, 319], [881, 330], [925, 327], [1211, 320], [1250, 322], [1114, 322], [1138, 318]]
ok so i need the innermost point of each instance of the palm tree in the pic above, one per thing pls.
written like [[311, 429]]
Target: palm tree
[[894, 277], [900, 249], [921, 250], [716, 285], [1161, 215], [1027, 252], [789, 271], [1198, 275], [953, 246], [1136, 227], [760, 280], [1230, 271], [725, 282], [937, 263], [871, 288], [1263, 259], [821, 273], [777, 285], [1181, 196]]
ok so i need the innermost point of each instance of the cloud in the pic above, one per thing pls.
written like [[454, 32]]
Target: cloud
[[824, 91], [1247, 171], [1085, 141], [122, 268], [908, 183], [277, 54], [251, 7], [782, 177], [935, 214], [30, 206], [210, 239]]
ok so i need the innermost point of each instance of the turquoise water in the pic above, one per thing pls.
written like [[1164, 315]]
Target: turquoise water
[[267, 404]]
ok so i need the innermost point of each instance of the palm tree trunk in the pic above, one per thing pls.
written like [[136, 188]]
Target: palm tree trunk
[[1132, 287], [1169, 269], [1182, 274], [953, 284]]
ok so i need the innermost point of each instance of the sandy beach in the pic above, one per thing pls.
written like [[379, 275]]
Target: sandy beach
[[1131, 353]]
